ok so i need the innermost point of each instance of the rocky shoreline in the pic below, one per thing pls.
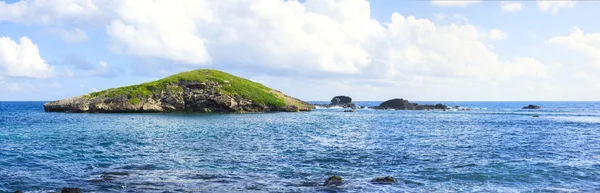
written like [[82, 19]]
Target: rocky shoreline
[[345, 102], [392, 104]]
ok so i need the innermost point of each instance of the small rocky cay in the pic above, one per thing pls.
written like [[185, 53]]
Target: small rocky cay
[[201, 90], [339, 101], [532, 107], [401, 104]]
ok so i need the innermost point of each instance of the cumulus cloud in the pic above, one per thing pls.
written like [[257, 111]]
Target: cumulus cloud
[[554, 6], [578, 41], [161, 28], [511, 6], [75, 35], [22, 59], [338, 37], [453, 3], [67, 12]]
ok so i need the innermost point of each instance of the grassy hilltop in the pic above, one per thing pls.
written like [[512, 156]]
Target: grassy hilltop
[[212, 85]]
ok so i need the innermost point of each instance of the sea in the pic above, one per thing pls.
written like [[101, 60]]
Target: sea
[[482, 147]]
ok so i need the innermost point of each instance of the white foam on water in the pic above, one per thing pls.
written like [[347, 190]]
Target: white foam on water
[[333, 107], [578, 119]]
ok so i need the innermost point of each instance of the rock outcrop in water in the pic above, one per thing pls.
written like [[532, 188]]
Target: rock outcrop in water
[[401, 104], [532, 107], [192, 91], [339, 101], [70, 190], [383, 180], [333, 181]]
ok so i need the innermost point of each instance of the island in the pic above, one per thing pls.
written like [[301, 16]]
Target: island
[[401, 104], [339, 101], [532, 107], [203, 90]]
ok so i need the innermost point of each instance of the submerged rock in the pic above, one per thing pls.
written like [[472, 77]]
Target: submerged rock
[[349, 110], [70, 190], [532, 107], [333, 181], [18, 191], [192, 91], [383, 180]]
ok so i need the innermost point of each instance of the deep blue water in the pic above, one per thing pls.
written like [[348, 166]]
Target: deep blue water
[[495, 147]]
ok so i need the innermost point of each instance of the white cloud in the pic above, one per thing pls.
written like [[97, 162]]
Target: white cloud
[[75, 35], [511, 6], [161, 29], [326, 36], [67, 12], [578, 41], [316, 36], [22, 59], [333, 37], [496, 34], [554, 6], [453, 3]]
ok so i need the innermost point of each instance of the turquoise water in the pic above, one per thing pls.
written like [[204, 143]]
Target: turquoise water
[[495, 147]]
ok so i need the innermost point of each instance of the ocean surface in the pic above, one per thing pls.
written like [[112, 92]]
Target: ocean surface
[[494, 147]]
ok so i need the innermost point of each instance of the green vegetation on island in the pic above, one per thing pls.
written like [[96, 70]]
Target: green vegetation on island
[[210, 89]]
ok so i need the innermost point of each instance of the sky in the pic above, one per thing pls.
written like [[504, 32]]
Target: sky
[[313, 49]]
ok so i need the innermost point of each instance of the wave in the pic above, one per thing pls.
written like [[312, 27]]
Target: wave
[[332, 107]]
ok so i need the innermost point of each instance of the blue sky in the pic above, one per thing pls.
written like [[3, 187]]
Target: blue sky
[[313, 50]]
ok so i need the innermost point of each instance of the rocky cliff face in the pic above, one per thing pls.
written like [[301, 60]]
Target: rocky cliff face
[[179, 95]]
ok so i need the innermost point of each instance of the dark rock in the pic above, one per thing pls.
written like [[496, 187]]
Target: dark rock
[[383, 180], [349, 110], [440, 106], [334, 181], [18, 191], [70, 190], [401, 104], [532, 107], [340, 100]]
